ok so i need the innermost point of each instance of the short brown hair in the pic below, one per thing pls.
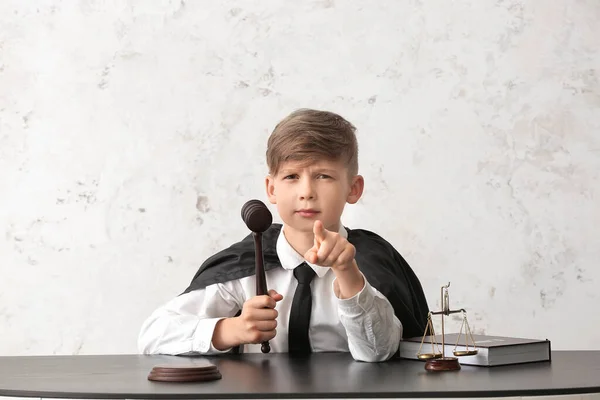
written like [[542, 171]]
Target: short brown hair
[[312, 135]]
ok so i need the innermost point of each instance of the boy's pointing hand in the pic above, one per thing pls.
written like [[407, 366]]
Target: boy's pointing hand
[[330, 249]]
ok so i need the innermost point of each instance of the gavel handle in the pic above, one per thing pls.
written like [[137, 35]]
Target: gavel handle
[[265, 347], [261, 280]]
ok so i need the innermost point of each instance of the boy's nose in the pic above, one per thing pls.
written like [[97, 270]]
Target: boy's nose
[[307, 191]]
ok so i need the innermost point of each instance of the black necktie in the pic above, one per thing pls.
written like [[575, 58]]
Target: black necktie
[[298, 342]]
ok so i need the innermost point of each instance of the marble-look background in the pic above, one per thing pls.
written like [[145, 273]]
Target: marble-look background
[[131, 132]]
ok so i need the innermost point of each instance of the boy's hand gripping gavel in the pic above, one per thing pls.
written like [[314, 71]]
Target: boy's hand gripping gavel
[[258, 219]]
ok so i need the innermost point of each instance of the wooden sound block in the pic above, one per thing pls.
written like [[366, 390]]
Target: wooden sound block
[[182, 373], [200, 372], [212, 376], [442, 364], [185, 367]]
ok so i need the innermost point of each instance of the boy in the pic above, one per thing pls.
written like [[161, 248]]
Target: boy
[[332, 288]]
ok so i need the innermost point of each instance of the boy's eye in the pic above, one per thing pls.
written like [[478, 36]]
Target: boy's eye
[[291, 176], [323, 176]]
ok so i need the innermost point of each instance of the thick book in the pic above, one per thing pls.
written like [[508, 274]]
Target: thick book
[[492, 350]]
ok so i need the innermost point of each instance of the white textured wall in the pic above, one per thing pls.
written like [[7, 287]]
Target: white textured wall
[[131, 132]]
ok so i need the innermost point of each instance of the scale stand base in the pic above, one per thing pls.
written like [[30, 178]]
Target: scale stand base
[[442, 364]]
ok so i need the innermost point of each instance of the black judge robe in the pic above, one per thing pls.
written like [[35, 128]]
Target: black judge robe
[[384, 268]]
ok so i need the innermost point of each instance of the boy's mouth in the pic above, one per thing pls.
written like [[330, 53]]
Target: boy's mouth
[[307, 212]]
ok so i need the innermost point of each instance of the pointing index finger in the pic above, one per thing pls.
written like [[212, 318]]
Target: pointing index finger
[[319, 231]]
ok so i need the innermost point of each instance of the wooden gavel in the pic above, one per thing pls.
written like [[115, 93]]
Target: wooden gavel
[[258, 219]]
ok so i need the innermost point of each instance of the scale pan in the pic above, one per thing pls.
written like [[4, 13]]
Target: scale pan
[[429, 356], [460, 353]]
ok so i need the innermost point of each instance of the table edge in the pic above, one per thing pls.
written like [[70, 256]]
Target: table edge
[[300, 395]]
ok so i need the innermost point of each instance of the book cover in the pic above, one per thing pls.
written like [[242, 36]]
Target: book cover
[[492, 350]]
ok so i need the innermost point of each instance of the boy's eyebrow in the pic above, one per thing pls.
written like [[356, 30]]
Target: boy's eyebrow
[[317, 170], [286, 171], [327, 171]]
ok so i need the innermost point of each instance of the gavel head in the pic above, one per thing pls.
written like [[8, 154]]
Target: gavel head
[[256, 216]]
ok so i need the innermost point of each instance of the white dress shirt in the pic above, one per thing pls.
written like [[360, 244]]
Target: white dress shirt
[[364, 324]]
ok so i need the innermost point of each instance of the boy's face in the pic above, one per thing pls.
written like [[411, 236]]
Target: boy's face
[[318, 191]]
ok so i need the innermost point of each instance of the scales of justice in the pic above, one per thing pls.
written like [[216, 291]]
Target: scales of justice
[[437, 360]]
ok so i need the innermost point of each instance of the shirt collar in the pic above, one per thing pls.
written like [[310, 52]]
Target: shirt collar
[[290, 258]]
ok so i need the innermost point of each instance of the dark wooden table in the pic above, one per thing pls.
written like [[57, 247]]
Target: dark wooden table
[[325, 375]]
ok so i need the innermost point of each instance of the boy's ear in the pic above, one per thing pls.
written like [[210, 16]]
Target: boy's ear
[[356, 189], [270, 186]]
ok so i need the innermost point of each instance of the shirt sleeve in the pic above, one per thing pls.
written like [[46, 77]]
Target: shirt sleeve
[[185, 325], [373, 329]]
